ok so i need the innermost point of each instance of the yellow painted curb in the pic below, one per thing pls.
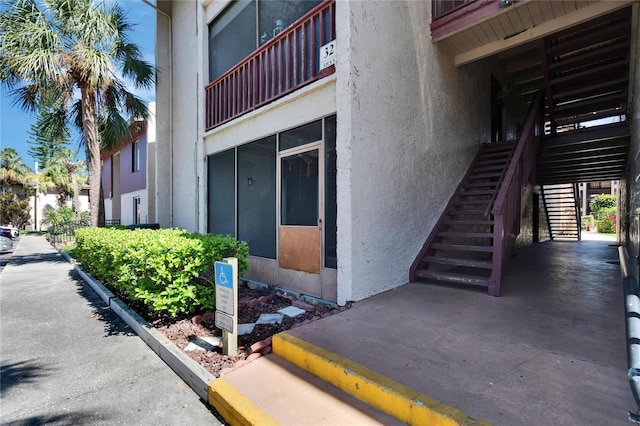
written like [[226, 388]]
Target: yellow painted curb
[[234, 407], [387, 395]]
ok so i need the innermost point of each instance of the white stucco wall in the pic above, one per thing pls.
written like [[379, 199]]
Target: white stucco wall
[[108, 209], [409, 124], [126, 202], [165, 29], [187, 89], [151, 164]]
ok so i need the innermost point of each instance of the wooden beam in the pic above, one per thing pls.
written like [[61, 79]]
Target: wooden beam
[[600, 133], [549, 27]]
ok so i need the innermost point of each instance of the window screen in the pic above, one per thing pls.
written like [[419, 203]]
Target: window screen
[[257, 196], [222, 205]]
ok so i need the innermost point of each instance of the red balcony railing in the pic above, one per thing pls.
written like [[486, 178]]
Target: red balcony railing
[[281, 66]]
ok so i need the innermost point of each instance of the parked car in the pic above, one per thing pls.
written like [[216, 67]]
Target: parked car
[[6, 244], [9, 231]]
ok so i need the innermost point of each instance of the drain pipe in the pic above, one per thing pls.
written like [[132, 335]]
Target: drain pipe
[[632, 323]]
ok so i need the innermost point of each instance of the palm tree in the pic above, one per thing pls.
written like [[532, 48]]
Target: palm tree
[[65, 175], [49, 133], [12, 169], [51, 48]]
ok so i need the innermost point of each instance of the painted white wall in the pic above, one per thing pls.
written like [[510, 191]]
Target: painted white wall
[[164, 126], [409, 123], [126, 202], [187, 90], [151, 164], [108, 209]]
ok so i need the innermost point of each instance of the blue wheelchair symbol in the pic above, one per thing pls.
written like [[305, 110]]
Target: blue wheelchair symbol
[[224, 274]]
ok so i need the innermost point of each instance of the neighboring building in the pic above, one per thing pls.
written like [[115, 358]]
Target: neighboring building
[[331, 135], [43, 201], [128, 176]]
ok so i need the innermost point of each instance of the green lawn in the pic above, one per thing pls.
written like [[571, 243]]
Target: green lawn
[[70, 249]]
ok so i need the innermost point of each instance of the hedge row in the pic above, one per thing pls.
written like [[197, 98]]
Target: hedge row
[[169, 270]]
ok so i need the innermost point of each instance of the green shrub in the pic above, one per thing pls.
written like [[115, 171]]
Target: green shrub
[[609, 212], [58, 216], [169, 270], [605, 226], [602, 202]]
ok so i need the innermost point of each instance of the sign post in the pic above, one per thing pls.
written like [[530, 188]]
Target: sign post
[[227, 303]]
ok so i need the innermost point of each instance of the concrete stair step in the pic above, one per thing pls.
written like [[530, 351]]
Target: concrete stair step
[[300, 383], [273, 391]]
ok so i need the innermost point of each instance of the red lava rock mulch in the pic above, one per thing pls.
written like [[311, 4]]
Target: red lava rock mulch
[[251, 304]]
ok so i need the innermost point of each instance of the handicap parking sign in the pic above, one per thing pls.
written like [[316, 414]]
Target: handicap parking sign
[[224, 288]]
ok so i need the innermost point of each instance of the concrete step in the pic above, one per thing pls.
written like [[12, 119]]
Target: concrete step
[[300, 383], [273, 391]]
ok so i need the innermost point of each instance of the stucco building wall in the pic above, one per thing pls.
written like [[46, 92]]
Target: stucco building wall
[[187, 91], [127, 212], [409, 123]]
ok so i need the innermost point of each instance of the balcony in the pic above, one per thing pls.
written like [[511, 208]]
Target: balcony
[[475, 29], [284, 64]]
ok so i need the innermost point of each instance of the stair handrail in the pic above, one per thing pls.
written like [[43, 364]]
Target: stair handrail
[[507, 207], [492, 200]]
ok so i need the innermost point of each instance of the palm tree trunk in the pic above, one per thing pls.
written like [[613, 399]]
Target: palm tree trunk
[[74, 186], [92, 149]]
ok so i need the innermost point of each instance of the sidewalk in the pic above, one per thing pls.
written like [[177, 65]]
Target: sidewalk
[[550, 351], [67, 359]]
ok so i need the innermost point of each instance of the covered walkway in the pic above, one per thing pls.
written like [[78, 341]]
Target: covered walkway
[[550, 350]]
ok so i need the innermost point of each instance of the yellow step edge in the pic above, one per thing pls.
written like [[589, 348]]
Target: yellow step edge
[[389, 396], [234, 407]]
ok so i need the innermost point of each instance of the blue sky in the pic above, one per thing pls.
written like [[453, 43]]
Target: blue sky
[[16, 123]]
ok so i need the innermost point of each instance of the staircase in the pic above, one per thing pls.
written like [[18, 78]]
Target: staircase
[[562, 211], [460, 250], [475, 234]]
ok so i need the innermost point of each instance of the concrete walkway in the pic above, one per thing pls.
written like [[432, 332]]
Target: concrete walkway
[[550, 351], [66, 359]]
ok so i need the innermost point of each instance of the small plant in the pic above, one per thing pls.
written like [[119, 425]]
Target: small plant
[[59, 216]]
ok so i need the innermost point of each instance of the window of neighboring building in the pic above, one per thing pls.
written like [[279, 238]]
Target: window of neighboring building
[[137, 207], [135, 157], [247, 24]]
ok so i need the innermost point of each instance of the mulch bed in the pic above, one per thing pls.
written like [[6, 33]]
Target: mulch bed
[[252, 302]]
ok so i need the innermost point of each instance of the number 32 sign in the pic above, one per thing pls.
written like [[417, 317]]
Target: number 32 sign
[[328, 55]]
